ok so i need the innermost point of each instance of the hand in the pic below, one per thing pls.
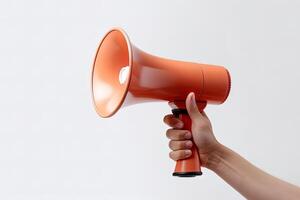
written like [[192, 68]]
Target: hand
[[202, 134], [247, 179]]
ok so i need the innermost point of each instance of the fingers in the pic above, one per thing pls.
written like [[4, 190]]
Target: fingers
[[180, 139], [172, 121], [180, 145], [180, 154], [192, 107], [174, 134]]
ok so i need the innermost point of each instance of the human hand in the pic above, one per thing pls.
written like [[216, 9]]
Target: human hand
[[202, 134], [229, 165]]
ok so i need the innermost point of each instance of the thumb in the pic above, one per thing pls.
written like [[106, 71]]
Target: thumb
[[192, 107]]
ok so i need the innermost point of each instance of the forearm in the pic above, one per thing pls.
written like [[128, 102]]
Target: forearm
[[248, 180]]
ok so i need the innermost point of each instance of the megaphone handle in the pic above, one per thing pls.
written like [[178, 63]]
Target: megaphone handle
[[191, 166]]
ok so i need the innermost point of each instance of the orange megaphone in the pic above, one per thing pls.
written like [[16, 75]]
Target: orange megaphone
[[123, 75]]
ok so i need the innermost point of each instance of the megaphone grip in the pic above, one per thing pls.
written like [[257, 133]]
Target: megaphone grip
[[191, 166]]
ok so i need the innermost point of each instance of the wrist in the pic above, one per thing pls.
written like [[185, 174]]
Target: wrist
[[216, 157]]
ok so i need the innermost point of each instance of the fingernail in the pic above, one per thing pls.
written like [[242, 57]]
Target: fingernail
[[188, 144], [187, 152], [187, 135], [193, 98]]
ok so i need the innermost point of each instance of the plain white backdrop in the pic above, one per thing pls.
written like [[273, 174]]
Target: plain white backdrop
[[54, 146]]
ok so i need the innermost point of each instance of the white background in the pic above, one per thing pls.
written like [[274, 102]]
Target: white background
[[54, 146]]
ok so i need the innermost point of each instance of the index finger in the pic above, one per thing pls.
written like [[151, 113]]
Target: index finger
[[172, 121]]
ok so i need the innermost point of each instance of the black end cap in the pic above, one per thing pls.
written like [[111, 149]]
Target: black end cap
[[187, 174]]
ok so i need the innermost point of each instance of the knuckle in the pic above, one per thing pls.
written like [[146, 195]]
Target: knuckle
[[185, 134], [204, 126], [182, 145]]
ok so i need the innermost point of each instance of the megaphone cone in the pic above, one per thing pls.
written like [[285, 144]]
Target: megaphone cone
[[123, 75]]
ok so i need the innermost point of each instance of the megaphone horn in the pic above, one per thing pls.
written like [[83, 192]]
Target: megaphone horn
[[123, 75]]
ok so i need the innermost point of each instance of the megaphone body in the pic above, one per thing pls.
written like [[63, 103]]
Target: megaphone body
[[124, 75]]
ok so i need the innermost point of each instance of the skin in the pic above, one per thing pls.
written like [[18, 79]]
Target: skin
[[248, 180]]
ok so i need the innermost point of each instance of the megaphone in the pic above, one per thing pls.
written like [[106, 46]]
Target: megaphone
[[123, 75]]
